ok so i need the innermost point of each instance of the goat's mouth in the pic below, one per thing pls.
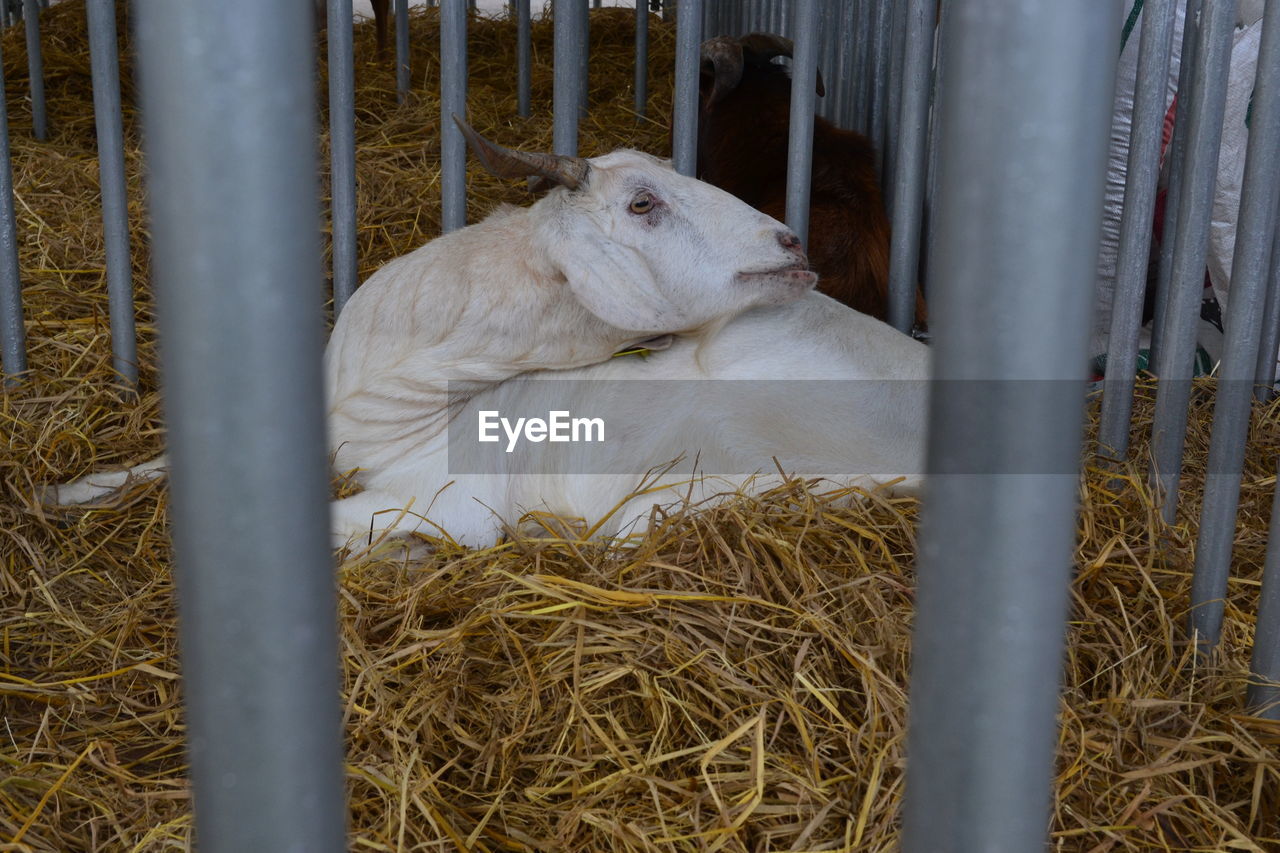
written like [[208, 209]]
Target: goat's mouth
[[796, 275]]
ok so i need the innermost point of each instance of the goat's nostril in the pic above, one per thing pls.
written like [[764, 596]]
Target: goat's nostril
[[789, 241]]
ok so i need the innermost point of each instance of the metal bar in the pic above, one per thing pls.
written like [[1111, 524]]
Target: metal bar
[[13, 334], [996, 541], [230, 129], [1263, 698], [35, 67], [897, 49], [569, 49], [805, 25], [453, 101], [105, 68], [524, 58], [1142, 174], [684, 133], [846, 15], [935, 114], [1204, 136], [642, 57], [904, 250], [1177, 155], [876, 107], [584, 65], [862, 65], [402, 50], [342, 152], [1233, 402], [1270, 342]]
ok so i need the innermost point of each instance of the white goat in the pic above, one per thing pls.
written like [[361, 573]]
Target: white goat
[[818, 387], [625, 250]]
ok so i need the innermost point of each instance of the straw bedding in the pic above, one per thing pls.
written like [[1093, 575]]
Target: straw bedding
[[736, 682]]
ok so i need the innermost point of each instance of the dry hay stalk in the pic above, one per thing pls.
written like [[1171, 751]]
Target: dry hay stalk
[[736, 682]]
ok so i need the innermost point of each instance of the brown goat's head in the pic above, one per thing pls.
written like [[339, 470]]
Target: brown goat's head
[[724, 59]]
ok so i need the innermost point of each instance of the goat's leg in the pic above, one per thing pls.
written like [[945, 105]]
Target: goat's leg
[[99, 485], [382, 24]]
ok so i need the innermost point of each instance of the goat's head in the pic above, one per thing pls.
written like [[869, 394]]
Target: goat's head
[[647, 249], [725, 59]]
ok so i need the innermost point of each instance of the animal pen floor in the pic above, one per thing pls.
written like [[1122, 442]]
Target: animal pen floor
[[736, 682]]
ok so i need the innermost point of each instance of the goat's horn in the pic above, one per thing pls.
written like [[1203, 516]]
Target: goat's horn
[[725, 56], [570, 172], [765, 46]]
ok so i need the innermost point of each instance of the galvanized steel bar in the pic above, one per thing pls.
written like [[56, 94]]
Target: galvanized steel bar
[[1176, 156], [524, 58], [1263, 698], [1265, 378], [904, 251], [897, 49], [1177, 352], [569, 48], [583, 20], [1143, 171], [931, 170], [342, 152], [13, 334], [846, 18], [453, 101], [877, 109], [861, 82], [1027, 111], [402, 49], [230, 131], [642, 57], [35, 69], [684, 121], [805, 25], [105, 68], [1233, 402]]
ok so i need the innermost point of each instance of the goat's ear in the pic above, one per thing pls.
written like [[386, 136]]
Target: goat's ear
[[614, 283]]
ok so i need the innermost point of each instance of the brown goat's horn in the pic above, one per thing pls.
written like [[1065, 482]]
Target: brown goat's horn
[[570, 172], [761, 47], [725, 56], [765, 46]]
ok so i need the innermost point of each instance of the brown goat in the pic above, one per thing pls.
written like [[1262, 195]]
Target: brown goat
[[743, 128]]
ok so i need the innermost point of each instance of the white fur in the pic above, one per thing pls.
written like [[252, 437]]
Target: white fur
[[554, 290], [868, 429]]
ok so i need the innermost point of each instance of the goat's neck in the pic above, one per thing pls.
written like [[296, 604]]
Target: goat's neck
[[529, 321]]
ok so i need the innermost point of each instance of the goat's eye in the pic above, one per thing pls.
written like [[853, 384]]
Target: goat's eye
[[642, 203]]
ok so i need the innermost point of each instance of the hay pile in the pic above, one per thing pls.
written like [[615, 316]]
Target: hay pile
[[735, 683]]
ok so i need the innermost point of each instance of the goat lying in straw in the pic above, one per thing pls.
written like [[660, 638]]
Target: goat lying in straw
[[623, 252]]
